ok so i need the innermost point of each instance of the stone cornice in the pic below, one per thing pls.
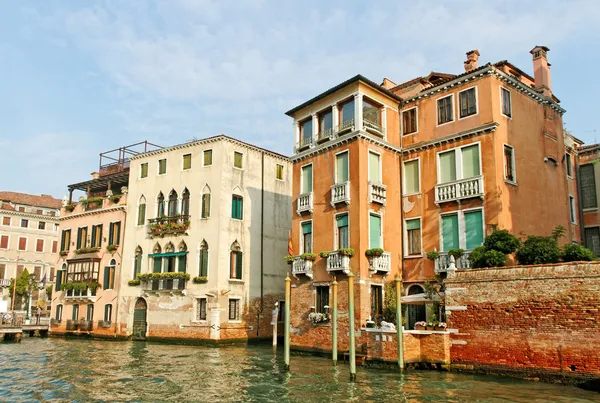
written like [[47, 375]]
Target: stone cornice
[[40, 217], [93, 212], [486, 128]]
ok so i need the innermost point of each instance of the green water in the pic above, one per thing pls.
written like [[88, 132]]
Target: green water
[[58, 370]]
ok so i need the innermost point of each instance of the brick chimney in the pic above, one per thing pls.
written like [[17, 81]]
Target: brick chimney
[[471, 62], [541, 70]]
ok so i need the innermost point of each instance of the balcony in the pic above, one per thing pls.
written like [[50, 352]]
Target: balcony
[[338, 262], [304, 143], [445, 263], [374, 127], [166, 285], [161, 226], [380, 263], [4, 282], [325, 135], [340, 193], [459, 190], [346, 126], [301, 266], [55, 322], [104, 323], [377, 193], [85, 325], [72, 325], [83, 295], [305, 203]]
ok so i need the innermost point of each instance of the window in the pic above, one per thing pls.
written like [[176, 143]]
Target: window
[[108, 313], [279, 172], [307, 237], [409, 121], [37, 273], [2, 271], [141, 218], [237, 207], [306, 132], [371, 112], [6, 221], [468, 102], [322, 298], [572, 209], [207, 158], [376, 301], [114, 233], [238, 160], [144, 170], [162, 167], [472, 224], [137, 266], [41, 225], [460, 163], [24, 223], [65, 241], [55, 227], [75, 313], [160, 202], [235, 265], [187, 161], [203, 260], [39, 211], [374, 167], [81, 237], [89, 314], [109, 275], [445, 110], [569, 165], [375, 231], [185, 203], [52, 274], [60, 277], [341, 167], [347, 113], [509, 164], [234, 309], [173, 203], [21, 209], [96, 236], [341, 222], [325, 123], [54, 246], [22, 243], [206, 205], [413, 237], [412, 183], [201, 305], [592, 239], [3, 241], [58, 314], [306, 180], [588, 186], [506, 102], [39, 245]]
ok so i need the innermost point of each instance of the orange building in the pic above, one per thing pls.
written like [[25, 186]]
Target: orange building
[[435, 163]]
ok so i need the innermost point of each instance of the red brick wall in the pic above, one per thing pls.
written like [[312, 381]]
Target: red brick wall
[[418, 346], [530, 320]]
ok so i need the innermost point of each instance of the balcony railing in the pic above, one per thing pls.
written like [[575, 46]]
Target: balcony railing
[[380, 263], [445, 262], [301, 266], [4, 282], [305, 203], [460, 189], [340, 193], [373, 127], [86, 325], [104, 323], [55, 322], [336, 262], [72, 324], [87, 294], [377, 193], [324, 135], [155, 284], [162, 226], [304, 142], [345, 126]]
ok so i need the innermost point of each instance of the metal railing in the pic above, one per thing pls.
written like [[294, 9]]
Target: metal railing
[[301, 266], [336, 261], [345, 126], [373, 126], [380, 263], [305, 203], [85, 325], [340, 192], [155, 284], [377, 193], [446, 262], [325, 135], [304, 142], [459, 189]]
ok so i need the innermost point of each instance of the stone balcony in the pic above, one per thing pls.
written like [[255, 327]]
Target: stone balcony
[[377, 193], [459, 190], [340, 193], [338, 262], [4, 282], [301, 266], [167, 285], [380, 263], [373, 126], [305, 203], [77, 295], [447, 263]]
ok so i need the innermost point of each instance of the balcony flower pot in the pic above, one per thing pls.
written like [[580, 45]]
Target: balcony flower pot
[[200, 280], [370, 324], [63, 253], [70, 208], [420, 325], [441, 326], [434, 255], [308, 256], [374, 252], [346, 252], [111, 248], [133, 283], [324, 254], [289, 259], [430, 326]]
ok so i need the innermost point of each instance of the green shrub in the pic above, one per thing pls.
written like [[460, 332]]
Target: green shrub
[[476, 257], [133, 283], [346, 251], [308, 256], [324, 254], [374, 252], [164, 276], [481, 257], [539, 250], [289, 259], [456, 253], [502, 241], [200, 280], [577, 253], [434, 255]]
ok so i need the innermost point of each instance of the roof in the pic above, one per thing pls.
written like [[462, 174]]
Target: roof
[[330, 91], [119, 177], [6, 206], [30, 200]]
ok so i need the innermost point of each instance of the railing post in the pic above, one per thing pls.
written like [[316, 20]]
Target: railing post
[[399, 332], [351, 327], [286, 334], [334, 312]]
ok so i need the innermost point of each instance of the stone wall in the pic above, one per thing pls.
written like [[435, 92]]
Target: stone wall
[[419, 346], [532, 321]]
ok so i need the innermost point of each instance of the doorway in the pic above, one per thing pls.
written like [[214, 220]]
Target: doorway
[[139, 319]]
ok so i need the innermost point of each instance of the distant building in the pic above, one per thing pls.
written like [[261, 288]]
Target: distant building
[[589, 183]]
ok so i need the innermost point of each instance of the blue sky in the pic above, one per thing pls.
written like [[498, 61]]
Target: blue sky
[[80, 77]]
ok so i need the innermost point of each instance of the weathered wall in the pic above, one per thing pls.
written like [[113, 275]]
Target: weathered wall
[[418, 347], [541, 321]]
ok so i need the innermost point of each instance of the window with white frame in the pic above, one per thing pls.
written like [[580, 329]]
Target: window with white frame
[[506, 102], [572, 209], [238, 160], [306, 229], [201, 305], [108, 313], [445, 110], [412, 183], [510, 172], [409, 121], [374, 167], [375, 240], [467, 100], [341, 167], [307, 179], [207, 158], [413, 236], [462, 229], [459, 163], [588, 186], [342, 233], [234, 309]]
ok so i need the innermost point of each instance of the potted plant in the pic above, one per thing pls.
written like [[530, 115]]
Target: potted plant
[[63, 253], [324, 254], [70, 207], [430, 326], [289, 259], [115, 198], [317, 317], [133, 283], [346, 252], [374, 252], [111, 248], [456, 253], [200, 280], [441, 326], [421, 325], [434, 255], [370, 324], [308, 256]]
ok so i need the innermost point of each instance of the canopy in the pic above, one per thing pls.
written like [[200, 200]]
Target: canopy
[[419, 299]]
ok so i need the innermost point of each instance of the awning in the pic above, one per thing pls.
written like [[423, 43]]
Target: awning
[[419, 299], [167, 254]]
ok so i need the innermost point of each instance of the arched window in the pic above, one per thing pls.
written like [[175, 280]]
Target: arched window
[[235, 261], [160, 200], [237, 204], [173, 203], [137, 266], [185, 203], [182, 257], [203, 259], [109, 275], [141, 211], [415, 289], [157, 261], [205, 202], [61, 276]]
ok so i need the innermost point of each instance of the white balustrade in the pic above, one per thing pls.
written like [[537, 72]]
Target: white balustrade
[[377, 193], [305, 203], [340, 193], [301, 266], [380, 263], [336, 261], [446, 262], [460, 189]]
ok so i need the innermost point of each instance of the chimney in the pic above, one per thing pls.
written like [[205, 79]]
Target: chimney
[[95, 175], [541, 70], [471, 62]]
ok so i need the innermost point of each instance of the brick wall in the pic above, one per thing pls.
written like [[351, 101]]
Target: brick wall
[[428, 347], [533, 321]]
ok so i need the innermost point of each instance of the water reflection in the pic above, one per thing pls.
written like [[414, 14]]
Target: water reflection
[[102, 371]]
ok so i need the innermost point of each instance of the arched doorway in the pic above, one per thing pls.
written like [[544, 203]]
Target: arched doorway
[[139, 319], [416, 313]]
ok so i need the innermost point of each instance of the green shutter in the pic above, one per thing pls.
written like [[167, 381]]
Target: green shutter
[[207, 157], [341, 163], [307, 179], [450, 232], [342, 220], [447, 167], [138, 266], [142, 214], [58, 280], [470, 157], [374, 231], [474, 229], [106, 284], [157, 264], [238, 265], [205, 205], [110, 233], [237, 159], [203, 263], [182, 263], [306, 228], [411, 177], [118, 233], [413, 224], [374, 172]]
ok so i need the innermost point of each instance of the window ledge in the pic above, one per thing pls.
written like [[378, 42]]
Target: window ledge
[[590, 209], [510, 182], [409, 134], [412, 194], [239, 169], [235, 280], [234, 321], [413, 257]]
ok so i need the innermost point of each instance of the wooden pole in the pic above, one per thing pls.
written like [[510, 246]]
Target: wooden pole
[[399, 335], [351, 327], [286, 334], [13, 297], [334, 329]]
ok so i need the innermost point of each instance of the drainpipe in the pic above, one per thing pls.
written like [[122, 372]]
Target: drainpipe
[[262, 239], [400, 278], [579, 199]]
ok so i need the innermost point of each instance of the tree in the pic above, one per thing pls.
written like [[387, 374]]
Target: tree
[[24, 286]]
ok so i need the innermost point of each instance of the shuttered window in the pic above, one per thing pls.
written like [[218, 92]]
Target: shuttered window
[[22, 243], [307, 237], [234, 309], [203, 269], [59, 279], [238, 160], [96, 236], [445, 110], [341, 168], [65, 241], [450, 238], [162, 166], [470, 161], [409, 121], [182, 264], [144, 170], [137, 266], [374, 167], [2, 271], [187, 161], [588, 186], [506, 103], [157, 261], [447, 166], [473, 229], [413, 236], [54, 246], [114, 233], [39, 245], [236, 265], [207, 157], [468, 102], [411, 177], [81, 237], [374, 231], [237, 207], [342, 231], [141, 214], [307, 181], [4, 242], [6, 221], [206, 205], [37, 273], [109, 278], [279, 172]]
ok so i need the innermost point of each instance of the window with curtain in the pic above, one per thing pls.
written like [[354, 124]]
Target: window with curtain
[[162, 166], [173, 203], [96, 236], [342, 231], [203, 260], [238, 160], [375, 231], [205, 205], [160, 201], [374, 167], [307, 237], [114, 233], [187, 161], [468, 102], [185, 203], [445, 110], [409, 121], [237, 207], [506, 102], [473, 229], [347, 112], [341, 168], [207, 158], [322, 298], [411, 177], [588, 186], [470, 161], [413, 236], [307, 179], [450, 238]]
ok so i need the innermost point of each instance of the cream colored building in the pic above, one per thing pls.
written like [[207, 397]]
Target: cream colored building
[[28, 239], [219, 210]]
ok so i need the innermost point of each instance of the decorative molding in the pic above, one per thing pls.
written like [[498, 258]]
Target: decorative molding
[[46, 218], [93, 212], [486, 128]]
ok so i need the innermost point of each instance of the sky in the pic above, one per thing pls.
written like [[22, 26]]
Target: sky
[[80, 77]]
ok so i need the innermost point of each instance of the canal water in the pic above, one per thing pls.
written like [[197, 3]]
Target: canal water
[[58, 370]]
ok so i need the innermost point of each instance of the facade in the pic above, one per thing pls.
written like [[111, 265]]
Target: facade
[[208, 224], [433, 164], [28, 241], [589, 181]]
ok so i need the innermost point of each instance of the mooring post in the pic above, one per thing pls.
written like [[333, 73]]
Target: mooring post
[[274, 316], [334, 318], [286, 333], [399, 335], [351, 327]]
